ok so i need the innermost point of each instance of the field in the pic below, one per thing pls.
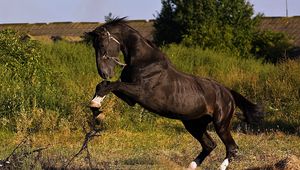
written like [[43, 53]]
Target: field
[[47, 110]]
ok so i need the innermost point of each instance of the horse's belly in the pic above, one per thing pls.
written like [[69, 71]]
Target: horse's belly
[[176, 107], [179, 98]]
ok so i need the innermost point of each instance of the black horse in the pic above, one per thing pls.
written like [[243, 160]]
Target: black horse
[[149, 79]]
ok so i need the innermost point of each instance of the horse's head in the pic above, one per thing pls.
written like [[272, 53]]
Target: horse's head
[[107, 48], [115, 36]]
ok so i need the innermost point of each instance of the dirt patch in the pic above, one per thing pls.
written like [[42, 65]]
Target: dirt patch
[[291, 162]]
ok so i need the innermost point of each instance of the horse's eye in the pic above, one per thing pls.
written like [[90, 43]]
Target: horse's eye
[[102, 36]]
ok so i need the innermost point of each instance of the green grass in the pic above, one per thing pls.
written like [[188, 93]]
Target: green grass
[[132, 137]]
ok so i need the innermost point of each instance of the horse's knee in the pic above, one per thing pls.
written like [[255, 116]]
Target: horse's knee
[[213, 145], [232, 151], [208, 144], [209, 147]]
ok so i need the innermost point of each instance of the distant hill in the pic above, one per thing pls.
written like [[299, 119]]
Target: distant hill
[[73, 29], [288, 25]]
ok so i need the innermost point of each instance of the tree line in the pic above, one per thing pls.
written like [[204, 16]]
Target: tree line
[[227, 25]]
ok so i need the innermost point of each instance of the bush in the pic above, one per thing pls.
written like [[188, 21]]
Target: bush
[[20, 72], [38, 79], [271, 46]]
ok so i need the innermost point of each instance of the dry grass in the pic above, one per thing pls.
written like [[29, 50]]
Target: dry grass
[[291, 162], [159, 149]]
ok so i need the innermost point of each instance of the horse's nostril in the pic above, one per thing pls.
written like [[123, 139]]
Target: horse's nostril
[[103, 75]]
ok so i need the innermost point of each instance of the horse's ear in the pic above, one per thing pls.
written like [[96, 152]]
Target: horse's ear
[[88, 37], [90, 34]]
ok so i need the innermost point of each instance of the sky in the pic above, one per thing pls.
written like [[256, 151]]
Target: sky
[[45, 11]]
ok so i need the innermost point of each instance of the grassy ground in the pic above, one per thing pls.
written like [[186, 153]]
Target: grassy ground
[[159, 149]]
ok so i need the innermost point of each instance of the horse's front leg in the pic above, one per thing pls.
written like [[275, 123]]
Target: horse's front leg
[[124, 97], [102, 89]]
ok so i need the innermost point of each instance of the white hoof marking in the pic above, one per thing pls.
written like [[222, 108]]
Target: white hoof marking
[[96, 102], [224, 164], [193, 165]]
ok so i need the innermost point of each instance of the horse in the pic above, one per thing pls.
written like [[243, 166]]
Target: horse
[[149, 79]]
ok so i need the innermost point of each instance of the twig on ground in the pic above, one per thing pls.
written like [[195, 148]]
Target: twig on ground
[[88, 137], [7, 160], [33, 151], [13, 152]]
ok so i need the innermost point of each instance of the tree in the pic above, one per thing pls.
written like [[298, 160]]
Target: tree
[[216, 24], [238, 24], [109, 17], [167, 28]]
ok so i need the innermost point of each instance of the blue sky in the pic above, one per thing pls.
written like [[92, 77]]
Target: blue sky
[[35, 11]]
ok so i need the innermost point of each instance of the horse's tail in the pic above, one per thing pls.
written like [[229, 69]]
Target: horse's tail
[[252, 113]]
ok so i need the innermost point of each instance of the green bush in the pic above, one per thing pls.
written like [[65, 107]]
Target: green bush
[[38, 79], [271, 46], [20, 72]]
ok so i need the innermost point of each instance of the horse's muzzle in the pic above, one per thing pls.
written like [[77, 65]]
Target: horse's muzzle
[[106, 70], [103, 75]]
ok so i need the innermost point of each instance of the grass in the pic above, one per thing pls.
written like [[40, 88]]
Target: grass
[[132, 137], [159, 149]]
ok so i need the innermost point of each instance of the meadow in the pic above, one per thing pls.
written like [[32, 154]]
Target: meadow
[[44, 100]]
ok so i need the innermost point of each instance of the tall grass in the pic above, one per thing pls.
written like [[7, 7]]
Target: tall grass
[[60, 85]]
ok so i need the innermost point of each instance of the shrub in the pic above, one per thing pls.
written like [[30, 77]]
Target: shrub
[[20, 72], [271, 46]]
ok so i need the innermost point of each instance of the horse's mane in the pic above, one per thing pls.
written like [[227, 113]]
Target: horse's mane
[[123, 21], [112, 22], [115, 21]]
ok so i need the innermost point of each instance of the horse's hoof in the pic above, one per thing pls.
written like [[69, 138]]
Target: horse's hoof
[[224, 164], [94, 105], [192, 166], [96, 102], [100, 117]]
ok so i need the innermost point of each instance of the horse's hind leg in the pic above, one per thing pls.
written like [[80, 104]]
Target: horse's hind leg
[[197, 128], [223, 130]]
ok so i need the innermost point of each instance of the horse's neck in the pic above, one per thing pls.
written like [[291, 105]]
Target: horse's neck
[[141, 52]]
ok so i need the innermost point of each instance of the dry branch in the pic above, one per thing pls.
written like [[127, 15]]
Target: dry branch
[[88, 137], [7, 161]]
